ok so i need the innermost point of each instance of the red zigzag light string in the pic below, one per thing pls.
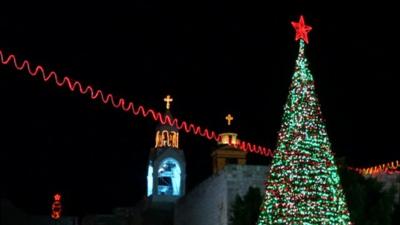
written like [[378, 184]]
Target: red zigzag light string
[[128, 106], [121, 103], [387, 168]]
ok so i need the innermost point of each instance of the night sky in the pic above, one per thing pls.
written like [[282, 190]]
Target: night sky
[[213, 57]]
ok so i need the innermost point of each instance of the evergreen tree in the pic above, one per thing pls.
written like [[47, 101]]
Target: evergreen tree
[[396, 210], [244, 210], [303, 186], [368, 201], [238, 211]]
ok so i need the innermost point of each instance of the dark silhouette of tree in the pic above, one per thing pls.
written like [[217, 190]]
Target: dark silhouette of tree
[[368, 202], [245, 210], [396, 210]]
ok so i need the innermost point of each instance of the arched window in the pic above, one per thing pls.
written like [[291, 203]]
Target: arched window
[[150, 181], [169, 177], [165, 138], [159, 139], [171, 139]]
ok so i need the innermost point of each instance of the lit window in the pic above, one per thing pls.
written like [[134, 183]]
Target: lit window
[[150, 181], [169, 177]]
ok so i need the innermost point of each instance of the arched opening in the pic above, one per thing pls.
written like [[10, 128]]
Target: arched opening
[[150, 181], [169, 177], [165, 138]]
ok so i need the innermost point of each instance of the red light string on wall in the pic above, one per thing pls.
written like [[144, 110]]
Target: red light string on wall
[[387, 168], [123, 104]]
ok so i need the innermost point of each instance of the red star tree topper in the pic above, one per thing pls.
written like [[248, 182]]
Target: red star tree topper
[[301, 29]]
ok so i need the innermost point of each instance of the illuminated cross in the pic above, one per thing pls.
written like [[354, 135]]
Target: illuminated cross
[[168, 100], [229, 118]]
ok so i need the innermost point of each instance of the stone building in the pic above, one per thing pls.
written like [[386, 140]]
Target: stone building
[[210, 202]]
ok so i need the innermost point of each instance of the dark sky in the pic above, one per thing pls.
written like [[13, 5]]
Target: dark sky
[[214, 57]]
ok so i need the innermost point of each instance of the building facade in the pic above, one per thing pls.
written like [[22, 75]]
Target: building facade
[[210, 202]]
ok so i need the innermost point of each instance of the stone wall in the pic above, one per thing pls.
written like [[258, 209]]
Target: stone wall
[[210, 201], [240, 178], [205, 204], [389, 181], [47, 220]]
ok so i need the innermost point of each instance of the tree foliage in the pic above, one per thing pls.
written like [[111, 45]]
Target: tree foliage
[[244, 211], [369, 203]]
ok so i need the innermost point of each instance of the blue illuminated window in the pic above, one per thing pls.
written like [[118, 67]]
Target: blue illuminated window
[[169, 177], [150, 181]]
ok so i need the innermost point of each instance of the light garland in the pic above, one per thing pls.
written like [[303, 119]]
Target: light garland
[[385, 168], [123, 104]]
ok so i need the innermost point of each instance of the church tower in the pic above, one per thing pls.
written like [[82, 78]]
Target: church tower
[[226, 153], [167, 167]]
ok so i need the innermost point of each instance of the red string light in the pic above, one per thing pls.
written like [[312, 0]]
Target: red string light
[[121, 103], [128, 106], [388, 168]]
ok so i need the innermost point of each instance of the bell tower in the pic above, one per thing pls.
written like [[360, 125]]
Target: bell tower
[[226, 153], [167, 167]]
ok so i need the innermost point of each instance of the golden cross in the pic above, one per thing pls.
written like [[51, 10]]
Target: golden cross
[[229, 118], [168, 100]]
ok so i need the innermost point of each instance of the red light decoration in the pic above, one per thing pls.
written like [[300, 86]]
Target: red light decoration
[[56, 207], [121, 103], [387, 168], [301, 29], [95, 94], [57, 197]]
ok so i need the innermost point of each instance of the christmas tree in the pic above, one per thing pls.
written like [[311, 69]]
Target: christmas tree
[[303, 186]]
